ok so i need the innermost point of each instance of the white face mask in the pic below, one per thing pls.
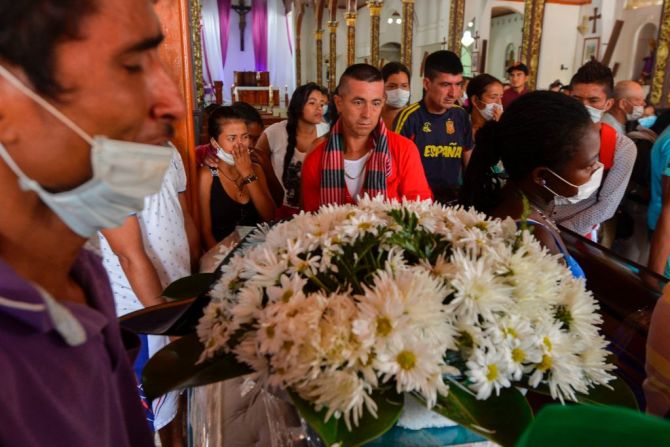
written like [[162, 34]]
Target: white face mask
[[488, 112], [124, 173], [583, 191], [635, 114], [596, 114], [226, 157], [397, 98]]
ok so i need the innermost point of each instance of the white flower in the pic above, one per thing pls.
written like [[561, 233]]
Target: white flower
[[479, 292], [488, 372], [594, 362], [415, 366], [343, 393], [560, 366], [578, 311]]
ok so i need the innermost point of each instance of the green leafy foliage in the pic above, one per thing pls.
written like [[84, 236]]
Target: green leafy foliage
[[190, 286], [389, 406], [175, 367], [501, 419]]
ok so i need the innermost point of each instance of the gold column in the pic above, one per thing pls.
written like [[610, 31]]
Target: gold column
[[332, 26], [350, 17], [407, 33], [660, 78], [196, 33], [319, 56], [298, 41], [375, 7], [533, 16], [456, 13]]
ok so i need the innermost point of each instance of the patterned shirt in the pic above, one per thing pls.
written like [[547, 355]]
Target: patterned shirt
[[581, 217], [441, 140]]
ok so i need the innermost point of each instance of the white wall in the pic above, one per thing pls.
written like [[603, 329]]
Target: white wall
[[558, 45], [505, 30], [634, 21]]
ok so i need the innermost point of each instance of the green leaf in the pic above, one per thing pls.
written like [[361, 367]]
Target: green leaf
[[501, 419], [174, 367], [389, 406], [620, 395], [190, 286]]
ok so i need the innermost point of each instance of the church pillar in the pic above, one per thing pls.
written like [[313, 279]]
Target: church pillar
[[318, 35], [332, 47], [407, 33], [175, 54], [533, 15], [660, 80], [332, 26], [318, 11], [375, 7], [298, 41], [350, 17], [196, 32], [456, 13]]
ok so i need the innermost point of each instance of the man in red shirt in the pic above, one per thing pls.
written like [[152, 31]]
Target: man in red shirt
[[518, 76], [362, 156]]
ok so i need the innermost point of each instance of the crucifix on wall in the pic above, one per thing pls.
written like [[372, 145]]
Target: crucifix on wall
[[242, 10], [476, 38], [594, 18]]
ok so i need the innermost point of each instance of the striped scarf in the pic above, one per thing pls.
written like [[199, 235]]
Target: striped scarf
[[333, 186]]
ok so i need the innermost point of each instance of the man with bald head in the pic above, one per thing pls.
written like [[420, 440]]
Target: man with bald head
[[628, 105], [361, 155], [80, 83]]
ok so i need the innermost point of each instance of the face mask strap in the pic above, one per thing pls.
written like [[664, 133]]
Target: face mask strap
[[9, 77]]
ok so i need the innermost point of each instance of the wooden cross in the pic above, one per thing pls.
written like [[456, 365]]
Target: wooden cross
[[476, 38], [242, 9], [594, 18]]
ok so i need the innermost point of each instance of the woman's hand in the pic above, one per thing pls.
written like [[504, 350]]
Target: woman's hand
[[243, 160]]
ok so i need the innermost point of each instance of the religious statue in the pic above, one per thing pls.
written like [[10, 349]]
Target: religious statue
[[242, 10]]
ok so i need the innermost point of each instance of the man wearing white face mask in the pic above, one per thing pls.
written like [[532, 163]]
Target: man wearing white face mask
[[628, 105], [396, 86], [593, 86], [63, 363]]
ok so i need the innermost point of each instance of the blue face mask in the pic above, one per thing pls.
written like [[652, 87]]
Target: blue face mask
[[124, 173], [647, 121]]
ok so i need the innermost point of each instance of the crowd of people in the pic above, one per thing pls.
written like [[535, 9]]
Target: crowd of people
[[378, 142], [590, 156]]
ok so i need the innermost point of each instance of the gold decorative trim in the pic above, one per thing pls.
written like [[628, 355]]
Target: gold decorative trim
[[298, 43], [660, 79], [407, 33], [319, 56], [332, 26], [456, 13], [533, 16], [350, 18], [196, 32], [375, 7]]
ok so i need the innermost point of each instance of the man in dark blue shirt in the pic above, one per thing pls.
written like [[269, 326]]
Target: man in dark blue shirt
[[439, 127]]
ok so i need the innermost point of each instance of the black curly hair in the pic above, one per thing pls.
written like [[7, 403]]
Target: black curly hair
[[541, 128]]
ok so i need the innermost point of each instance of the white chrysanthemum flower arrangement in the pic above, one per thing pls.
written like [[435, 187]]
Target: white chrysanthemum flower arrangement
[[413, 295]]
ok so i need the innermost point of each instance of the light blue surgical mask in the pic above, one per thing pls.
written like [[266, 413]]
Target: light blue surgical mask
[[124, 173], [325, 111], [647, 121]]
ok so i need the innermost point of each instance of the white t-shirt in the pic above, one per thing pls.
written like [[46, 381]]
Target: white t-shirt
[[164, 236], [277, 140], [354, 175]]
